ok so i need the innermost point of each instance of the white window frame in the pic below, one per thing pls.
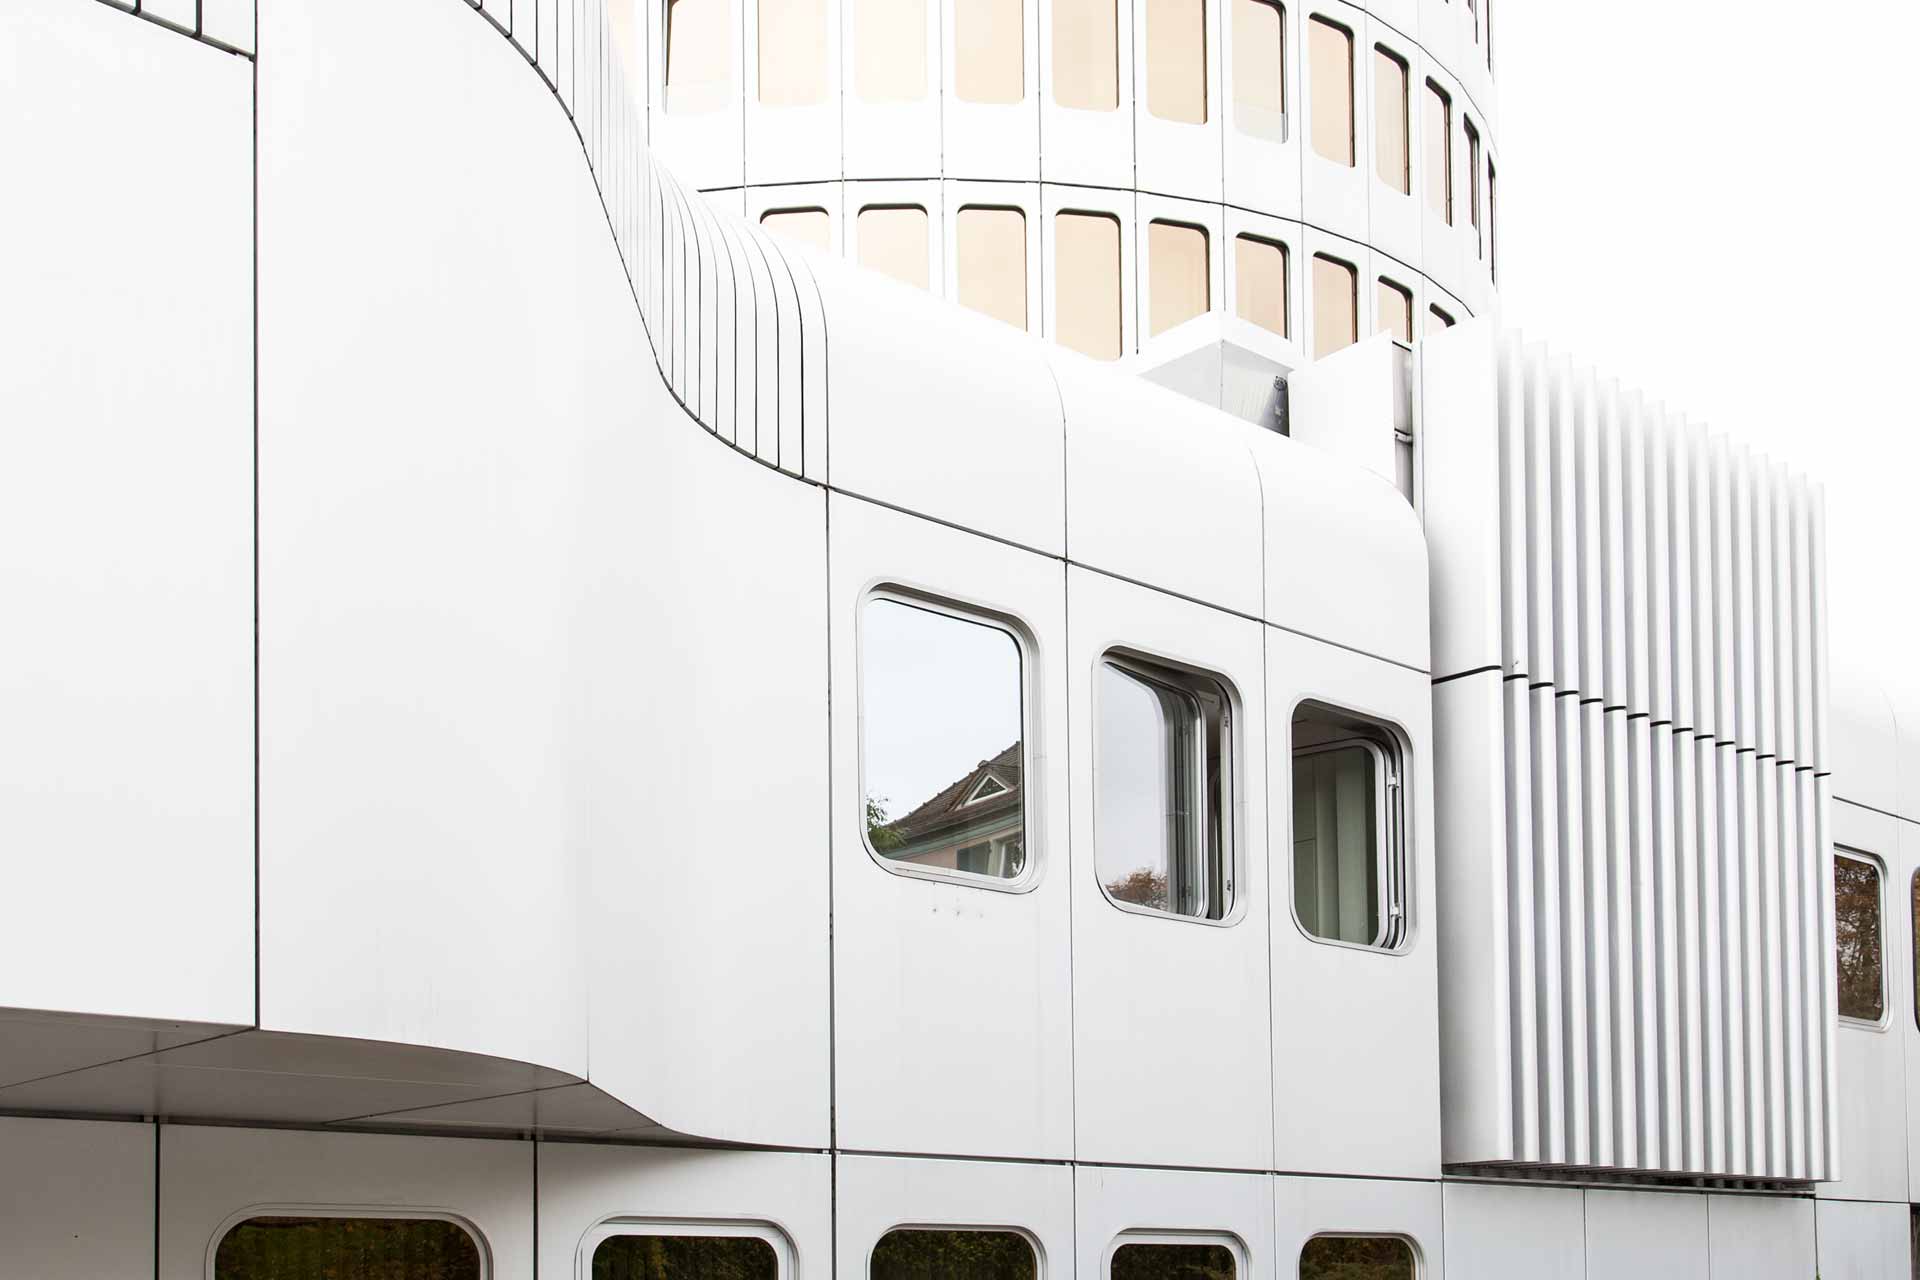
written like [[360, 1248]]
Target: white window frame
[[1028, 649], [784, 1254], [253, 1211], [1886, 987], [1388, 748], [1232, 856]]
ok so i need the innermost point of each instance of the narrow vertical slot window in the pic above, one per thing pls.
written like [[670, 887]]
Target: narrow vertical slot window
[[793, 53], [1177, 274], [952, 1253], [810, 227], [1473, 183], [990, 262], [1330, 80], [699, 41], [890, 50], [1349, 860], [1086, 55], [893, 241], [1493, 224], [1857, 938], [1916, 948], [1260, 282], [1163, 790], [1259, 45], [1352, 1257], [1177, 60], [990, 51], [1336, 305], [943, 750], [1086, 264], [1392, 155], [1439, 151], [1396, 312], [1438, 320]]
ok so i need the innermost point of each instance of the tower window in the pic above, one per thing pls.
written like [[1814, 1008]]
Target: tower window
[[893, 241], [1086, 55], [990, 51], [699, 38], [1086, 264], [1177, 60], [1396, 311], [1260, 282], [1177, 274], [1391, 159], [793, 53], [1330, 77], [1259, 45], [991, 262], [890, 50], [806, 226], [1439, 151], [1336, 307]]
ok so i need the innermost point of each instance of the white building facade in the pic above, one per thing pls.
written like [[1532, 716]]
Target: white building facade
[[550, 729]]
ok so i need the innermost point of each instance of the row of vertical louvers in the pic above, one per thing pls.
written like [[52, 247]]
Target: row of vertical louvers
[[1630, 706]]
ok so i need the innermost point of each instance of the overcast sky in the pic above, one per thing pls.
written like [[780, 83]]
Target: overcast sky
[[1716, 204]]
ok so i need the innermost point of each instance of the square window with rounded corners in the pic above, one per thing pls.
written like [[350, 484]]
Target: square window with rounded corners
[[1163, 785], [1858, 937], [1358, 1258], [954, 1253], [643, 1250], [1175, 1256], [1349, 843], [943, 749], [295, 1246]]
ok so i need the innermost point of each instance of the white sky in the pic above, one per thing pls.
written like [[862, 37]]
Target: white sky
[[1716, 203]]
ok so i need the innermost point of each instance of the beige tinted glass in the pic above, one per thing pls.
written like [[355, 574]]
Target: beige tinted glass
[[1493, 222], [1176, 274], [1086, 55], [808, 226], [989, 53], [1390, 147], [1258, 42], [1086, 264], [1437, 127], [1396, 312], [1177, 60], [1438, 320], [890, 50], [699, 35], [793, 52], [893, 241], [1473, 177], [1260, 283], [1330, 80], [1336, 308], [990, 262]]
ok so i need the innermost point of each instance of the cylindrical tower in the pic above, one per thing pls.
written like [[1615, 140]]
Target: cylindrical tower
[[1131, 178]]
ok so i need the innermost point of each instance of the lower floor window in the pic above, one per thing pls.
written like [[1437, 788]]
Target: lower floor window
[[952, 1253], [1357, 1258], [685, 1257], [1349, 859], [1166, 1260], [333, 1248]]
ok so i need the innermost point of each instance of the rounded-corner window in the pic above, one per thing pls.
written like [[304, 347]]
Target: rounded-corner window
[[1152, 1256], [943, 753], [1163, 781], [1858, 938], [954, 1253], [293, 1246], [690, 1251], [1350, 866], [1357, 1257]]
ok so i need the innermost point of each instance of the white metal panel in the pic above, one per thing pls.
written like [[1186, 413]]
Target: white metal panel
[[1307, 1207], [211, 1179], [76, 1199], [584, 1188], [1462, 507], [797, 142], [1135, 975], [993, 140], [1355, 1031], [1862, 1241], [1173, 157], [1122, 462], [1235, 1209], [126, 478], [1515, 1233], [918, 428], [873, 1195], [1761, 1237], [1646, 1235], [992, 1061]]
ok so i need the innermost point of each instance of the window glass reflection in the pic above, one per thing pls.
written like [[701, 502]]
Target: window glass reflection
[[1356, 1258], [1349, 860], [288, 1248], [943, 753], [915, 1253], [1153, 1261], [663, 1257], [1856, 920]]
